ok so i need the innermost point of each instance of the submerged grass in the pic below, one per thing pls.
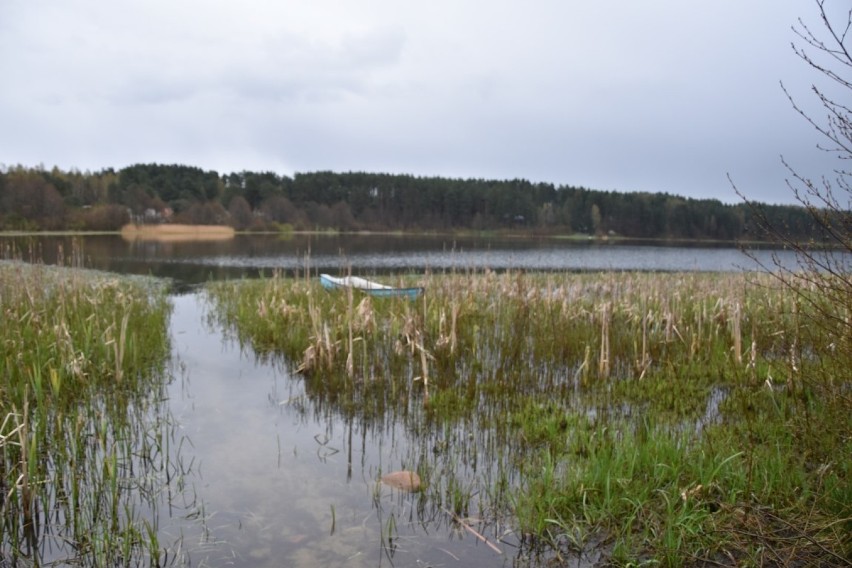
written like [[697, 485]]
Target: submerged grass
[[82, 361], [667, 418]]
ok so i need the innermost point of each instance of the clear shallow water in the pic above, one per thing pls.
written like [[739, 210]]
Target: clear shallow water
[[281, 482]]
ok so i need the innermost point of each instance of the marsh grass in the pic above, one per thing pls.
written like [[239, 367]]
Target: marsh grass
[[82, 451], [567, 405]]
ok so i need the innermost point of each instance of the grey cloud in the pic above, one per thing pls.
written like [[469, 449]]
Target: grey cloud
[[630, 96]]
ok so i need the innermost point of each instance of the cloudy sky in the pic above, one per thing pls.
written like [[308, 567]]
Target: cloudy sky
[[626, 95]]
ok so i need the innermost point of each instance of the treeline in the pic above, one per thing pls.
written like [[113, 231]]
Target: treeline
[[40, 199]]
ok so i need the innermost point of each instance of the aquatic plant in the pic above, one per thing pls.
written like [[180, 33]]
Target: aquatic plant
[[83, 439], [653, 416]]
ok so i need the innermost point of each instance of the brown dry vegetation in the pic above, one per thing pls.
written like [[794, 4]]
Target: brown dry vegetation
[[176, 233]]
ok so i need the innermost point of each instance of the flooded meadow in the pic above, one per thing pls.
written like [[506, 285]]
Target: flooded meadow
[[547, 417]]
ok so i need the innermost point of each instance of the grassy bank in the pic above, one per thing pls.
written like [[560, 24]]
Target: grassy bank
[[665, 418], [83, 447]]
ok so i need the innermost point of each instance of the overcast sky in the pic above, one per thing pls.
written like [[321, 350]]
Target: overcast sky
[[626, 95]]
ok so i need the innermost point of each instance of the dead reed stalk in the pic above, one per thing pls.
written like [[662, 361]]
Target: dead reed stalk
[[604, 361], [645, 361], [350, 363], [736, 333], [424, 370], [119, 347]]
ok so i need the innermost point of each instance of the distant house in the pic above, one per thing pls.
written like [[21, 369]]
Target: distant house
[[153, 217]]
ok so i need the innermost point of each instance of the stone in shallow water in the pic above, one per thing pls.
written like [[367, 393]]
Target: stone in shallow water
[[403, 480]]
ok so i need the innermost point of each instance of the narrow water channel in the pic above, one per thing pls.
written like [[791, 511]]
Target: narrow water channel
[[276, 482]]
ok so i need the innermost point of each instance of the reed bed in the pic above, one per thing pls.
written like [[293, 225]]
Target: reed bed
[[83, 443], [677, 418]]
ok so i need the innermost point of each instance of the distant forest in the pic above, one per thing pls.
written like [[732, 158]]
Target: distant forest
[[34, 199]]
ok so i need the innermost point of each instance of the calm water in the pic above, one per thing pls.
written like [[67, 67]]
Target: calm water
[[283, 482], [275, 479], [195, 262]]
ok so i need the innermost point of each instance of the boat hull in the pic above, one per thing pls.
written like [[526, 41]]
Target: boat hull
[[368, 287]]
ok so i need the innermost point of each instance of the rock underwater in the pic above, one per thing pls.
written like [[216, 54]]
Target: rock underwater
[[403, 480]]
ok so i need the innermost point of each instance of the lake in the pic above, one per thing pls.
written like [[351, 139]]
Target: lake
[[250, 255], [268, 478]]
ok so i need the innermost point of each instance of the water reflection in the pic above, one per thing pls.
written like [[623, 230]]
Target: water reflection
[[288, 479], [250, 255]]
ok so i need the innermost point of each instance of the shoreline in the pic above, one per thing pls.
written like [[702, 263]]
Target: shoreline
[[137, 232]]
